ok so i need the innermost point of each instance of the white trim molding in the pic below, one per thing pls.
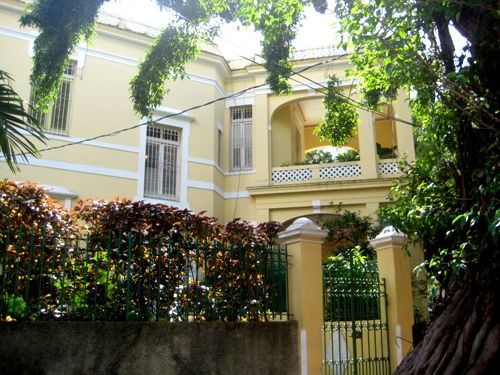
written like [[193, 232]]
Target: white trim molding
[[193, 159], [212, 187], [82, 141], [175, 115], [83, 51], [240, 100], [238, 172], [29, 37], [60, 192], [207, 81], [76, 167]]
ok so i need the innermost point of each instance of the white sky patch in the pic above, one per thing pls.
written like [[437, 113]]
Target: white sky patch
[[234, 41]]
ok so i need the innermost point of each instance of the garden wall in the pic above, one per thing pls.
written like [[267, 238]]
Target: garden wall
[[148, 348]]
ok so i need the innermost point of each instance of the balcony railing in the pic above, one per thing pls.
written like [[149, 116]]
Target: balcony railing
[[329, 172], [316, 172], [388, 167]]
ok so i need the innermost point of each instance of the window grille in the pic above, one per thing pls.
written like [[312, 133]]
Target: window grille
[[241, 137], [162, 165], [55, 120]]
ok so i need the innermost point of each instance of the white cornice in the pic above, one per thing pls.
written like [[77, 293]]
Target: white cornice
[[82, 51]]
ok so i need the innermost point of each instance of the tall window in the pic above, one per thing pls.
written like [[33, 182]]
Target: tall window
[[219, 147], [241, 137], [162, 166], [56, 119]]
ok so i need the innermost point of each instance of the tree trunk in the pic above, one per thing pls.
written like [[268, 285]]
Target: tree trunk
[[464, 339]]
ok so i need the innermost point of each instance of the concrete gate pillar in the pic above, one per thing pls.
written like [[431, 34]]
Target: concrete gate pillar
[[394, 267], [305, 289]]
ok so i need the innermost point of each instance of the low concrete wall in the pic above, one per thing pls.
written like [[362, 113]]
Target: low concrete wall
[[148, 348]]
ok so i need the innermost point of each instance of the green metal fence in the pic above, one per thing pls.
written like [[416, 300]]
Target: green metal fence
[[355, 336], [139, 277]]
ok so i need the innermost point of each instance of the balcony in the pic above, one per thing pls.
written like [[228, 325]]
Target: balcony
[[339, 171]]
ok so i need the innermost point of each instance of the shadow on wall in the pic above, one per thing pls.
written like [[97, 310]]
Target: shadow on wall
[[148, 348]]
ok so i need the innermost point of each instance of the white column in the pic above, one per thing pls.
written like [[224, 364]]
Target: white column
[[367, 145]]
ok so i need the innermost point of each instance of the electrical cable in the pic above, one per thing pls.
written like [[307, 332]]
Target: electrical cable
[[351, 101], [122, 130]]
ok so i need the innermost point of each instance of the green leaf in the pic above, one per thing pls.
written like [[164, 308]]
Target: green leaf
[[341, 117], [17, 126]]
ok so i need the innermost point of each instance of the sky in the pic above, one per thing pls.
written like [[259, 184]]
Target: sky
[[316, 30]]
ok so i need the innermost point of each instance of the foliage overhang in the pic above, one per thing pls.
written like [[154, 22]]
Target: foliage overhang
[[194, 22]]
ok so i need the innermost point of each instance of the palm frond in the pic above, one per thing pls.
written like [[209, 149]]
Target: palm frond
[[18, 128]]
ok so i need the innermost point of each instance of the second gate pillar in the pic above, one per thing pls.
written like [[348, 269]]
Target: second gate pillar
[[394, 267]]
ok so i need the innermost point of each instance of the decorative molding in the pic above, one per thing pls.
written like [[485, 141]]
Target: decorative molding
[[174, 113], [83, 51], [108, 56], [236, 194], [17, 34], [311, 88], [316, 206], [207, 81], [58, 191], [212, 187], [212, 163], [82, 168], [240, 100], [81, 141], [193, 159], [202, 185], [240, 172]]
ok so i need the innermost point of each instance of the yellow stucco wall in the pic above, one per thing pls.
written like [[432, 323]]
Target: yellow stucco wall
[[114, 166]]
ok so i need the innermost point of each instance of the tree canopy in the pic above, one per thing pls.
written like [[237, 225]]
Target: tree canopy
[[194, 22], [449, 199]]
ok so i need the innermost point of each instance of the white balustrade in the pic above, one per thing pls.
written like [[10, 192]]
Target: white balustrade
[[316, 172], [388, 168]]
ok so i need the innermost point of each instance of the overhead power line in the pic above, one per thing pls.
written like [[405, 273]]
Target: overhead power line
[[205, 104], [351, 101]]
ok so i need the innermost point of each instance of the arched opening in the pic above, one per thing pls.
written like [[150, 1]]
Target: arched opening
[[293, 135]]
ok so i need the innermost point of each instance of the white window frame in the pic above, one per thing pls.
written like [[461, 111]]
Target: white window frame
[[57, 119], [163, 149], [182, 122], [241, 144], [220, 145]]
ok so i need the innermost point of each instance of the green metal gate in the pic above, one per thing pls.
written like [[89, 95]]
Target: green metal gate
[[355, 337]]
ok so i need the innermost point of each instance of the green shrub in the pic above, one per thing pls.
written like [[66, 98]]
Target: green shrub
[[32, 226], [349, 155], [350, 278], [351, 287], [131, 261], [318, 157], [173, 246]]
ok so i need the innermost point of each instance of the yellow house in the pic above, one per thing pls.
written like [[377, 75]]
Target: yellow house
[[222, 142]]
